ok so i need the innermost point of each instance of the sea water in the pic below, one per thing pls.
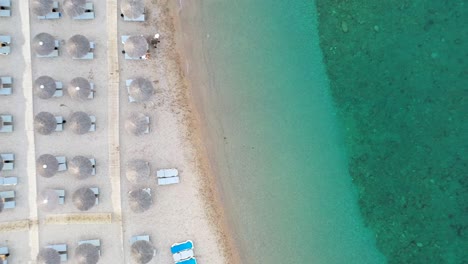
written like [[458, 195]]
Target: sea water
[[274, 141]]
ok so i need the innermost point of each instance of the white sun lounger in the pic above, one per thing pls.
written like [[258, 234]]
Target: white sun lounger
[[91, 94], [59, 120], [6, 49], [62, 161], [7, 124], [167, 176], [93, 123], [127, 84], [62, 250], [133, 239], [93, 162], [183, 255], [59, 89], [6, 8], [8, 161], [7, 83], [52, 15], [8, 181], [9, 199], [4, 253], [54, 53], [88, 14], [61, 196], [94, 242], [96, 193], [138, 19]]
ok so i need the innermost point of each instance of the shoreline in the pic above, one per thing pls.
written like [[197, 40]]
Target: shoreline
[[195, 134]]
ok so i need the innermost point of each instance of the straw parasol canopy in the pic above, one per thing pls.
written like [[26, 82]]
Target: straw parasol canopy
[[132, 8], [44, 87], [139, 200], [42, 7], [140, 89], [142, 251], [45, 123], [43, 44], [84, 198], [47, 165], [80, 123], [79, 88], [136, 46], [80, 167], [78, 46], [48, 199], [74, 8], [48, 256], [136, 124], [138, 171], [87, 254]]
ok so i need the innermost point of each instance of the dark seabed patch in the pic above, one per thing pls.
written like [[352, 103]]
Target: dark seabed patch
[[399, 77]]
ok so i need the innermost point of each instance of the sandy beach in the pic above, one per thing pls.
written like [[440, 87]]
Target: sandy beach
[[188, 210]]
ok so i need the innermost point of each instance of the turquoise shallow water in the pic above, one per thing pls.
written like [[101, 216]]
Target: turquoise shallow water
[[273, 136]]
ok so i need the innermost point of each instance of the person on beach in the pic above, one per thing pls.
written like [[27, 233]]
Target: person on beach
[[155, 40]]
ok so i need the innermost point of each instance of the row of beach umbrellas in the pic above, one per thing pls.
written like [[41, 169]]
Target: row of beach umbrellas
[[77, 46], [79, 122], [79, 88], [47, 166], [142, 252]]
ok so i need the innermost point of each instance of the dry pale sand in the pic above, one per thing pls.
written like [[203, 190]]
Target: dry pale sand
[[188, 210]]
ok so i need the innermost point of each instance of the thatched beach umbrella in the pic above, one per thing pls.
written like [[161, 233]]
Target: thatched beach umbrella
[[45, 123], [136, 124], [84, 198], [140, 89], [48, 199], [48, 256], [45, 87], [139, 200], [87, 254], [80, 167], [80, 123], [136, 46], [42, 7], [132, 8], [78, 46], [138, 171], [79, 88], [43, 44], [74, 7], [47, 165], [142, 251]]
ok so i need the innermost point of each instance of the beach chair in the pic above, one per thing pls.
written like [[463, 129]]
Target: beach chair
[[4, 254], [96, 193], [91, 94], [60, 123], [6, 85], [8, 181], [93, 123], [88, 14], [58, 89], [8, 161], [93, 162], [182, 255], [178, 247], [167, 176], [61, 196], [138, 19], [61, 249], [8, 199], [188, 261], [54, 13], [5, 8], [133, 239], [94, 242], [127, 84], [62, 161], [5, 42], [7, 124]]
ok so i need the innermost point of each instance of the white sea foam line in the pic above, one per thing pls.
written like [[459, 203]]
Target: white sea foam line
[[28, 117], [113, 115]]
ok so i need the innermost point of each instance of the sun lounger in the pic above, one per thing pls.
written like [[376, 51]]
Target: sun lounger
[[178, 247], [7, 126], [62, 161], [94, 242], [5, 42], [183, 255], [188, 261], [88, 14], [6, 83], [62, 250], [127, 84], [8, 181], [8, 161], [61, 196], [59, 120], [53, 14], [142, 237], [93, 123], [59, 89], [4, 254], [9, 199], [93, 162], [138, 19], [91, 94], [5, 8], [96, 193], [167, 176]]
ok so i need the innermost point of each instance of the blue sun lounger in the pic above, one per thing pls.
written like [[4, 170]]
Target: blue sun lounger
[[188, 261], [178, 247]]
